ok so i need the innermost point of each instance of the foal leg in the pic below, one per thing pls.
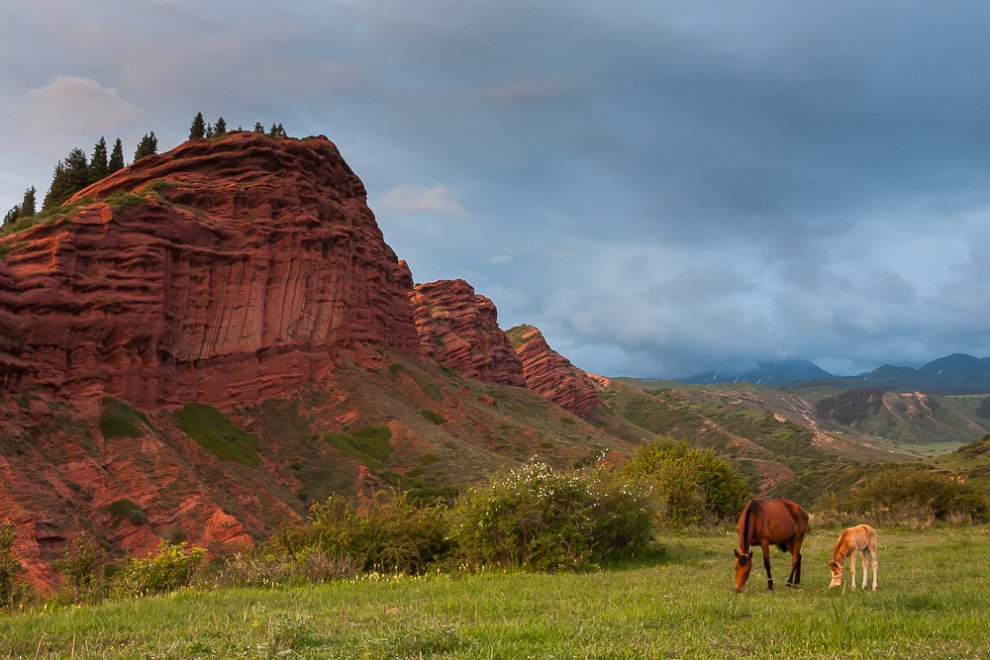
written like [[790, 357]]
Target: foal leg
[[765, 548], [873, 557], [852, 570], [866, 569]]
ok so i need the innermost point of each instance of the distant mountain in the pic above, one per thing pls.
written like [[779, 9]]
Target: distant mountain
[[953, 374], [766, 373]]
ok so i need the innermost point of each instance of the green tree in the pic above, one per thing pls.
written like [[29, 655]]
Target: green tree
[[71, 175], [220, 128], [148, 146], [99, 166], [116, 157], [28, 204], [276, 131], [258, 128], [691, 483], [82, 569], [198, 128], [11, 215]]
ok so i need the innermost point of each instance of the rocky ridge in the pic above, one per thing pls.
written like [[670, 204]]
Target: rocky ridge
[[459, 329], [551, 374]]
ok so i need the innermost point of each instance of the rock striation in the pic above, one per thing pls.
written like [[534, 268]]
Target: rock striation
[[551, 374], [224, 270], [459, 329]]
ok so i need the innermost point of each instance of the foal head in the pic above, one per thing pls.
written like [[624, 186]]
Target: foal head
[[836, 569], [744, 564]]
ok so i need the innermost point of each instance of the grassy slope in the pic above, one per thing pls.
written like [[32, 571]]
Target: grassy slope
[[760, 429], [931, 603]]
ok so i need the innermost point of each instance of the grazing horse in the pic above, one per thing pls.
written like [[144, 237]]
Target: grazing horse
[[861, 539], [770, 522]]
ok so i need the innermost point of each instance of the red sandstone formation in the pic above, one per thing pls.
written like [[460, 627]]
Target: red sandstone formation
[[224, 270], [459, 329], [228, 271], [551, 374]]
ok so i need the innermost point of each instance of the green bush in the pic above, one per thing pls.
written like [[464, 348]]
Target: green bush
[[534, 517], [125, 509], [691, 484], [171, 567], [12, 588], [83, 569], [900, 488], [384, 531]]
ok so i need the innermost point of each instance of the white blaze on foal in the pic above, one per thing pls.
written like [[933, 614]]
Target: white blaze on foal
[[861, 539]]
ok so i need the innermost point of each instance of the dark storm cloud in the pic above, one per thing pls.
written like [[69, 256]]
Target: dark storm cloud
[[663, 187]]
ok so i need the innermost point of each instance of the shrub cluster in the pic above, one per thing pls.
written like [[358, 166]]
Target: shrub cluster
[[383, 532], [902, 493], [171, 567], [692, 485], [537, 518]]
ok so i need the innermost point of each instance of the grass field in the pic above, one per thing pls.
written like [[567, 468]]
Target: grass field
[[933, 602]]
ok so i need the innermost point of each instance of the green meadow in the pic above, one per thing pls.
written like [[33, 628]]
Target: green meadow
[[933, 602]]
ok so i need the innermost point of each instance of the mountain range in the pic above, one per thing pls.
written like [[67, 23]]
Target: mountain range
[[953, 374]]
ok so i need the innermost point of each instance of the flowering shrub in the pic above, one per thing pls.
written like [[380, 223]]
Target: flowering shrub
[[537, 518]]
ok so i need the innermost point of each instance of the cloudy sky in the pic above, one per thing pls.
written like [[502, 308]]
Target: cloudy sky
[[662, 187]]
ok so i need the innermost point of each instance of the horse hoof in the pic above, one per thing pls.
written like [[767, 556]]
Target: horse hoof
[[790, 585]]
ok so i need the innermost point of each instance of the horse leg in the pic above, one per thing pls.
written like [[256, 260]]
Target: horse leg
[[873, 557], [852, 570], [796, 559], [866, 571], [765, 548], [791, 577]]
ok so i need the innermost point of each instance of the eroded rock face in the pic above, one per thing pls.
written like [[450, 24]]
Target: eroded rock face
[[551, 374], [224, 270], [459, 329]]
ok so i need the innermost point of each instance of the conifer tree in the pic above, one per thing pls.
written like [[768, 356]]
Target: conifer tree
[[99, 167], [11, 215], [273, 131], [148, 146], [220, 128], [116, 157], [198, 128], [281, 131], [258, 128], [209, 130], [28, 204], [71, 176]]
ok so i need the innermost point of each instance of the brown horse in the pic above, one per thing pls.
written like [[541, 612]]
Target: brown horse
[[770, 522]]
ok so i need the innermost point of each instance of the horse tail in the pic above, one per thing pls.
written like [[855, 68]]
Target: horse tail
[[744, 533]]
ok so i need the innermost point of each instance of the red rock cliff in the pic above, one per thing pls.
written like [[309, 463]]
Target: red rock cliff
[[459, 329], [224, 270], [551, 374]]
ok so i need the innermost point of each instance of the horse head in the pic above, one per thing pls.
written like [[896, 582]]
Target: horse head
[[836, 569], [744, 564]]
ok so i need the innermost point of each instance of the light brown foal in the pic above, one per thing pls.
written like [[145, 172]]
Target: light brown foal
[[861, 539]]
